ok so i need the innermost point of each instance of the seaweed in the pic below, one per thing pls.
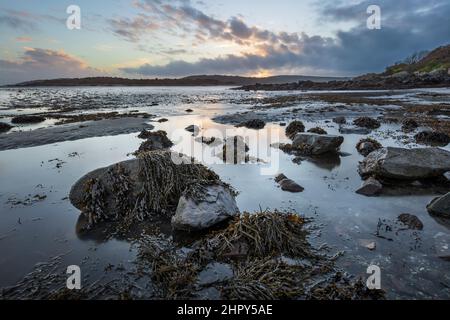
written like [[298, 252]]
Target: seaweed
[[94, 202]]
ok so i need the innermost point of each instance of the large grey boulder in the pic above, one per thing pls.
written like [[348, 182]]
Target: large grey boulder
[[319, 143], [440, 206], [406, 164], [214, 204]]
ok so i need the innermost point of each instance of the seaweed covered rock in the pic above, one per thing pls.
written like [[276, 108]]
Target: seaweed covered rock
[[367, 122], [154, 141], [317, 130], [293, 128], [204, 206], [340, 120], [409, 125], [411, 221], [4, 127], [27, 119], [406, 164], [138, 189], [432, 138], [367, 145], [319, 144], [256, 124]]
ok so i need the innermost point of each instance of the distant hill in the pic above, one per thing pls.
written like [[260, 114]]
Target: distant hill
[[198, 80], [436, 60]]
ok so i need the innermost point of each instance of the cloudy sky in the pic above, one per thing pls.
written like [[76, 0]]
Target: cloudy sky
[[174, 38]]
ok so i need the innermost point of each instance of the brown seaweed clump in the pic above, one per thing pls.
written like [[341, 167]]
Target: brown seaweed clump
[[432, 138], [154, 141], [367, 122], [293, 128], [367, 145], [94, 202], [318, 130]]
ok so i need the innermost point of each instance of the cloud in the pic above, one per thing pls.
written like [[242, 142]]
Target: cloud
[[24, 39], [407, 26], [18, 20], [132, 29], [39, 63]]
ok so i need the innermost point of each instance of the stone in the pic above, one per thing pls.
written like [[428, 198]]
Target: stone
[[215, 204], [368, 145], [371, 187], [340, 120], [290, 186], [154, 141], [317, 130], [319, 143], [406, 164], [193, 128], [410, 220], [367, 122], [432, 138], [256, 124], [214, 273], [293, 128], [440, 206]]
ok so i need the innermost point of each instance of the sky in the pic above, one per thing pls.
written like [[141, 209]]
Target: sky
[[176, 38]]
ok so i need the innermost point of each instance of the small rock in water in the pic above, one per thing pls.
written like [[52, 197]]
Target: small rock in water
[[317, 130], [162, 120], [155, 141], [367, 122], [371, 187], [318, 143], [193, 128], [189, 110], [440, 206], [253, 124], [293, 128], [367, 146], [288, 184], [409, 125], [411, 221], [432, 138], [371, 246], [340, 120]]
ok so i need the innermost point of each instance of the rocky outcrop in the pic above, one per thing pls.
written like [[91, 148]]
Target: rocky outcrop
[[411, 221], [318, 144], [409, 125], [367, 122], [406, 164], [208, 206], [317, 130], [440, 206]]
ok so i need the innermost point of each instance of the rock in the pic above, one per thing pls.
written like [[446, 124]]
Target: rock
[[25, 119], [354, 130], [371, 246], [4, 127], [340, 120], [215, 272], [317, 130], [189, 110], [409, 125], [293, 128], [368, 244], [162, 120], [253, 124], [280, 177], [290, 186], [212, 141], [432, 138], [319, 143], [406, 164], [371, 187], [282, 124], [411, 221], [447, 175], [155, 141], [440, 206], [138, 189], [213, 205], [193, 128], [367, 122], [368, 145]]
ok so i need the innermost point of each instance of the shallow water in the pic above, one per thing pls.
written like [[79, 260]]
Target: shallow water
[[41, 229]]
